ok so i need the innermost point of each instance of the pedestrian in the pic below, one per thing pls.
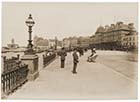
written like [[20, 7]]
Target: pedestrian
[[93, 55], [75, 61], [93, 50], [80, 50], [63, 54]]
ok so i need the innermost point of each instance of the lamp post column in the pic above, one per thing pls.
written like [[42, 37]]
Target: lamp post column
[[30, 58], [30, 45]]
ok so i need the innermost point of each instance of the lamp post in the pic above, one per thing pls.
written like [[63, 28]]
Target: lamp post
[[30, 23], [30, 57]]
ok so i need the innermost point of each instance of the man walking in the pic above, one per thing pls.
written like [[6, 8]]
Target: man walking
[[63, 54], [75, 61]]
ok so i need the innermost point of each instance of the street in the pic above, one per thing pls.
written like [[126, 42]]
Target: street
[[111, 77]]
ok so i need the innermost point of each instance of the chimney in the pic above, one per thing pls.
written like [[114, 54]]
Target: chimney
[[112, 25], [131, 25]]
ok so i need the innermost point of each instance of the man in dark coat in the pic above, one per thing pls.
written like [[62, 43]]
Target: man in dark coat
[[63, 54], [75, 61]]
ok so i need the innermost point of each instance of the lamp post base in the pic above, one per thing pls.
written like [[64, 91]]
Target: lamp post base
[[32, 62], [30, 52]]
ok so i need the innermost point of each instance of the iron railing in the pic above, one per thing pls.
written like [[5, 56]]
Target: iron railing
[[48, 58], [14, 74]]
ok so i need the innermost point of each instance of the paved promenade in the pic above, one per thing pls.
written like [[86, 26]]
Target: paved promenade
[[111, 77]]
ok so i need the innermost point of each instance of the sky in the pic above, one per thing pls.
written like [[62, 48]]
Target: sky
[[62, 19]]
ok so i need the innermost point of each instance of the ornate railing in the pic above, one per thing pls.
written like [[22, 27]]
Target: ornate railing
[[48, 58], [14, 74]]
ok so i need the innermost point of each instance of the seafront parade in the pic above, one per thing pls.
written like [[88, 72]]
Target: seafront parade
[[98, 65]]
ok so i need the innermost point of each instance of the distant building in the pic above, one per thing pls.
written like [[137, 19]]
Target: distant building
[[40, 43], [12, 45], [84, 41], [66, 42], [52, 43], [73, 41], [130, 41], [92, 41], [70, 42], [59, 43], [112, 37]]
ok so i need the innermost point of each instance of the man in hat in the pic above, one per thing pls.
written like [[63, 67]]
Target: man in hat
[[75, 61], [63, 54]]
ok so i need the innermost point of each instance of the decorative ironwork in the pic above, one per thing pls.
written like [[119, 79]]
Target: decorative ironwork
[[30, 23], [14, 75], [48, 58]]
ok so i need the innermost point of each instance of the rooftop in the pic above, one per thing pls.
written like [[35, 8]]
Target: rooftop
[[114, 27]]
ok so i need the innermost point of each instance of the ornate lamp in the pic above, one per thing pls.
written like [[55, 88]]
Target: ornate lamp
[[30, 23], [30, 57]]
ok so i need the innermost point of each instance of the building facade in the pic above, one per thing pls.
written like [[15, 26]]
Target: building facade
[[84, 41], [130, 41], [65, 43], [112, 37], [40, 43], [73, 41], [70, 42], [52, 43]]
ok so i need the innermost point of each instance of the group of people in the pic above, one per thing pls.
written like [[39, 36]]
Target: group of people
[[63, 55]]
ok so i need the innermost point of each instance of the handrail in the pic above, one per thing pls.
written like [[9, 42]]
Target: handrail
[[14, 75], [48, 58]]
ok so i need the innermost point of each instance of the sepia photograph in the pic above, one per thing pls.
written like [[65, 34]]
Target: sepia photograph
[[69, 51]]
